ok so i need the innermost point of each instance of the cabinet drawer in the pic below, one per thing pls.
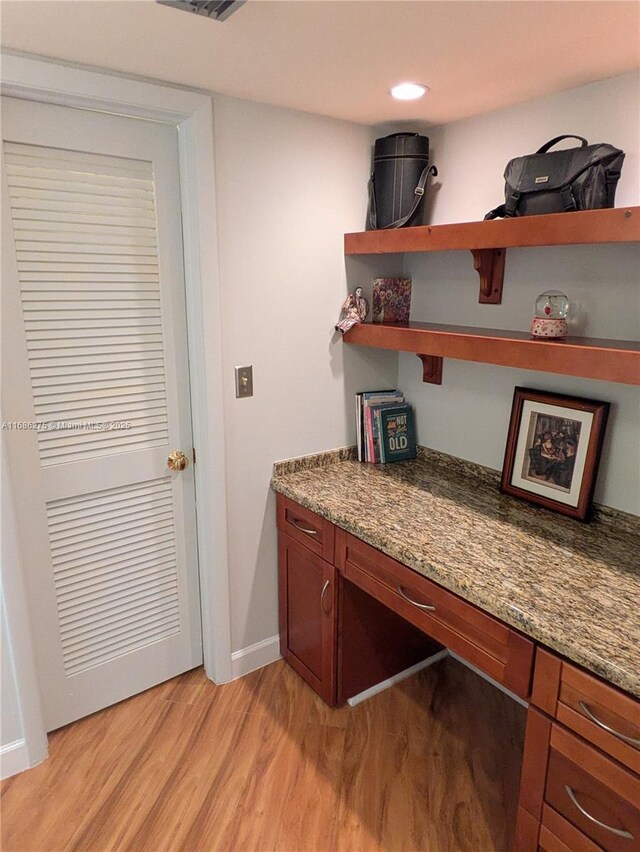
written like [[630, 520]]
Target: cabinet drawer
[[305, 526], [593, 793], [503, 653], [597, 711], [563, 837]]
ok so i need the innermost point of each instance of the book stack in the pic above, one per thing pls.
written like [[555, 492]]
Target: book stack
[[385, 427]]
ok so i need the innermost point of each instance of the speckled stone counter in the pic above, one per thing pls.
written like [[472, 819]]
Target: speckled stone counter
[[573, 587]]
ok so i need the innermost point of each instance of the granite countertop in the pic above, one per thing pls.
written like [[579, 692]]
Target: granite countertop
[[573, 587]]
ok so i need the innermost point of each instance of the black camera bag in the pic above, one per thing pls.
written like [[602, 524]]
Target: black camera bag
[[397, 186], [583, 178]]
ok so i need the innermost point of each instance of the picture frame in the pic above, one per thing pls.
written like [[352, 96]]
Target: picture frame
[[553, 450]]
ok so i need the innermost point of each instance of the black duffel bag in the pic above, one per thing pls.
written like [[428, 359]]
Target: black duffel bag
[[583, 178], [397, 186]]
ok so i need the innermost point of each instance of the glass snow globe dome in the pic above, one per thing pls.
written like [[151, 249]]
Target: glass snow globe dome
[[550, 320]]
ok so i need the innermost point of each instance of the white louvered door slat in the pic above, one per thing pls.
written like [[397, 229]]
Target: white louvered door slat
[[95, 304]]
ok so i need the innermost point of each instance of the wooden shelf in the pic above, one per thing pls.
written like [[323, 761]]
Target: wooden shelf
[[592, 358], [615, 225], [488, 241]]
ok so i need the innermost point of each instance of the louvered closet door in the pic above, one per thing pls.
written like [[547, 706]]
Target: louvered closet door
[[94, 352]]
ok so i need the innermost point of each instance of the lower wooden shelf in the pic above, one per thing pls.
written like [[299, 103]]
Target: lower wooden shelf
[[591, 358]]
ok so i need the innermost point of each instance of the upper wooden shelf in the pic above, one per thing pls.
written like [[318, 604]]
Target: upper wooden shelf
[[592, 358], [614, 225]]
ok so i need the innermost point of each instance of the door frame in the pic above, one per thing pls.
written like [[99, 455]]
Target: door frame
[[37, 79]]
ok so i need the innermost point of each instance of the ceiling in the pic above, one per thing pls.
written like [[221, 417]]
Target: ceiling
[[339, 57]]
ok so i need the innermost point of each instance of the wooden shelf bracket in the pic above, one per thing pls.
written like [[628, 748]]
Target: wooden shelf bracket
[[431, 368], [489, 264]]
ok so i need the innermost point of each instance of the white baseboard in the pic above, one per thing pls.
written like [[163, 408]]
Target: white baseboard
[[255, 657], [386, 684], [14, 758]]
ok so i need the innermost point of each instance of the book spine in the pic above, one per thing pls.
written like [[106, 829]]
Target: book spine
[[370, 449], [376, 436]]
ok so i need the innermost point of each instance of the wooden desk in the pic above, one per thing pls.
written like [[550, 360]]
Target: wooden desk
[[582, 733]]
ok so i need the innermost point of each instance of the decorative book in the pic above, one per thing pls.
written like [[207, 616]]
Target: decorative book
[[385, 427], [391, 299], [366, 402], [397, 433]]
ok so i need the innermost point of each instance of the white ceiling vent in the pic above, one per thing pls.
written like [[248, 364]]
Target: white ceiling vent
[[219, 10]]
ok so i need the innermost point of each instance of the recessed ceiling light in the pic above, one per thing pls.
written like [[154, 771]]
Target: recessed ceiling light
[[408, 91]]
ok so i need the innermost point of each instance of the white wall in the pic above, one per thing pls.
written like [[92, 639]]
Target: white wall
[[468, 414], [289, 185], [22, 739], [10, 720]]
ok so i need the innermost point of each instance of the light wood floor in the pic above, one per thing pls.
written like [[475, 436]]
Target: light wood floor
[[262, 765]]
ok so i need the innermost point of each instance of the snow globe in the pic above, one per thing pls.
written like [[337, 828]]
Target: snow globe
[[550, 320]]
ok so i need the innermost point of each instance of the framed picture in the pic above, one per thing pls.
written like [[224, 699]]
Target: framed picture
[[553, 450], [391, 299]]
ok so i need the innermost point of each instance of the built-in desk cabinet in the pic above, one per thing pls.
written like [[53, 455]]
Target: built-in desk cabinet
[[350, 616], [580, 787], [499, 650], [324, 618], [308, 615]]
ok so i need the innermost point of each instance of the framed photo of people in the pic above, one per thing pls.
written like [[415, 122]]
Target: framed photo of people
[[553, 450]]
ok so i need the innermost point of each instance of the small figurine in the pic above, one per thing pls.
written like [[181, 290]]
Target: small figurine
[[354, 310], [550, 320]]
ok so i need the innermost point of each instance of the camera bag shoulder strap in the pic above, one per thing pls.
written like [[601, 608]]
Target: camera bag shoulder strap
[[418, 194]]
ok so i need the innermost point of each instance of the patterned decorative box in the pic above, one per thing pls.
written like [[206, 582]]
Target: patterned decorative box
[[391, 299]]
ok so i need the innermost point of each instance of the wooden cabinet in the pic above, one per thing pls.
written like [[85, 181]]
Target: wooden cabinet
[[576, 842], [592, 792], [580, 784], [595, 710], [303, 525], [347, 626], [308, 612], [351, 616], [339, 639]]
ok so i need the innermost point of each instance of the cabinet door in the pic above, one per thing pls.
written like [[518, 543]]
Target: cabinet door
[[308, 604]]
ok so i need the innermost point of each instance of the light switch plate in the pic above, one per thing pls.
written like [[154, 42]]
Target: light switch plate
[[244, 381]]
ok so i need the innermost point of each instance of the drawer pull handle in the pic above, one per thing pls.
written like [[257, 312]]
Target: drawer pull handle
[[619, 831], [303, 529], [322, 594], [426, 607], [588, 712]]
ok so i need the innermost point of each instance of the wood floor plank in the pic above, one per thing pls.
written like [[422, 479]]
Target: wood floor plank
[[202, 787], [262, 765], [477, 734], [292, 806], [112, 821], [43, 807]]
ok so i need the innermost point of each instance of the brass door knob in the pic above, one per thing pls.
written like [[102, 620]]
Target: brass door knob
[[177, 460]]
